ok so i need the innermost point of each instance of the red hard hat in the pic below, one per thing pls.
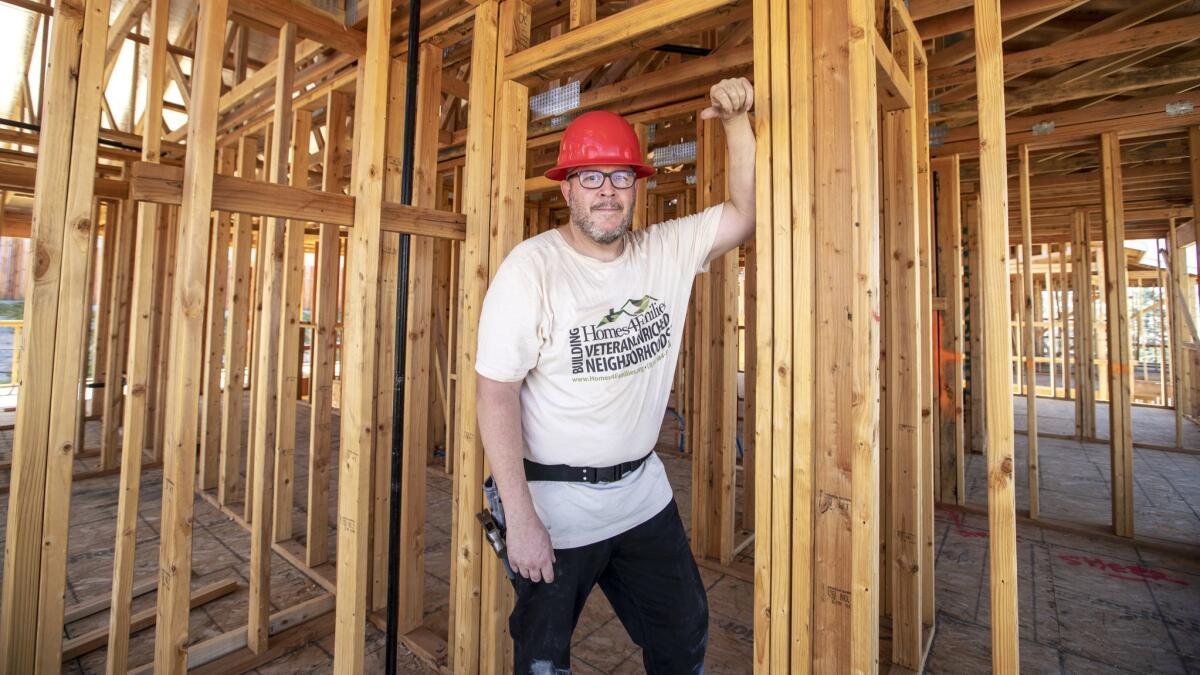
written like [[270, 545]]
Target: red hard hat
[[597, 138]]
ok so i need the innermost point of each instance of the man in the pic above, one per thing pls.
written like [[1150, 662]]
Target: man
[[578, 340]]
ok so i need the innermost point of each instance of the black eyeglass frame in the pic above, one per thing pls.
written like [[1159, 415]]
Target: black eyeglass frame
[[605, 175]]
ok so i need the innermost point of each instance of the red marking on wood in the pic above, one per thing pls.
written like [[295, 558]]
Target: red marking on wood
[[1123, 572]]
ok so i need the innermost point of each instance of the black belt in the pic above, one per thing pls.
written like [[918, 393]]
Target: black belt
[[582, 474]]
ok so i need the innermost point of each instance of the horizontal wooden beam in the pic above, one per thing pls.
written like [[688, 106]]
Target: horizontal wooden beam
[[310, 22], [641, 27], [964, 19], [895, 91], [1125, 117], [97, 638], [164, 185], [19, 178], [725, 62], [1132, 39], [1113, 84]]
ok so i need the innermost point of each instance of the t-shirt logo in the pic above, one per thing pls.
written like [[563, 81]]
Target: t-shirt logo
[[626, 340]]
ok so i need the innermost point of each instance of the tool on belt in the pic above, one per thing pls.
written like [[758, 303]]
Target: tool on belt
[[492, 517]]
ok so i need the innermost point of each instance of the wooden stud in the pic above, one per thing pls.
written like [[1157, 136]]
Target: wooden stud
[[320, 429], [214, 339], [292, 279], [229, 485], [1116, 287], [1178, 274], [1081, 263], [976, 441], [123, 242], [419, 351], [179, 470], [138, 364], [992, 276], [583, 12], [57, 308], [270, 364], [1027, 333], [358, 358], [951, 486], [468, 548], [904, 369]]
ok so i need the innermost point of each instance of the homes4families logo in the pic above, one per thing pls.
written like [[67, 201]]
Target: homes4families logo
[[624, 341]]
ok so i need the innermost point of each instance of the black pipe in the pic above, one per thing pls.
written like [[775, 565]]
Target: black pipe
[[38, 128], [686, 50], [392, 638]]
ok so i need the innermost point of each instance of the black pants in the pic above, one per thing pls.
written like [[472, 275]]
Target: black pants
[[650, 578]]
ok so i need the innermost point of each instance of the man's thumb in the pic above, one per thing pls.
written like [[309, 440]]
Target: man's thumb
[[709, 113]]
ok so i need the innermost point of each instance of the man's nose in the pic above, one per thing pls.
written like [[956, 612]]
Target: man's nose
[[607, 189]]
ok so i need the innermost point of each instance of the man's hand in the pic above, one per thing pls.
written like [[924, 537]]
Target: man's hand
[[730, 98], [529, 550]]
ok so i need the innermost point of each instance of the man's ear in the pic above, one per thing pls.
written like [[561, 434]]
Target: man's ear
[[565, 186]]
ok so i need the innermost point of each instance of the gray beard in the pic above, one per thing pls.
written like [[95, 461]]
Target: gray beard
[[588, 226]]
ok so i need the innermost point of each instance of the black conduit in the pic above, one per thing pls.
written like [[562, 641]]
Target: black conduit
[[406, 189]]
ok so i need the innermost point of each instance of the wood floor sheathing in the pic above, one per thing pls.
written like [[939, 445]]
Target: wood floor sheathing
[[1087, 604]]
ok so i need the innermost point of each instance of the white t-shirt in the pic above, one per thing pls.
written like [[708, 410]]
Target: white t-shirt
[[596, 344]]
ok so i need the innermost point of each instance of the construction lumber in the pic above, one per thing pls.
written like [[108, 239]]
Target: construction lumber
[[161, 184], [310, 21], [466, 580], [963, 19], [121, 240], [1175, 308], [1117, 83], [55, 332], [272, 256], [895, 86], [359, 321], [993, 277], [1119, 358], [288, 353], [904, 370], [419, 352], [134, 415], [1030, 364], [214, 336], [1107, 44], [1085, 390], [179, 471], [229, 484], [320, 432], [1140, 115], [951, 483], [635, 29], [96, 638]]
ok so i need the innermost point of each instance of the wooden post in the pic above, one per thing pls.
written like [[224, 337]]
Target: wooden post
[[139, 355], [1063, 319], [1120, 424], [417, 394], [291, 278], [1081, 263], [179, 469], [320, 427], [49, 402], [229, 484], [950, 354], [214, 341], [1194, 162], [468, 548], [1175, 309], [124, 246], [904, 369], [993, 244], [639, 202], [270, 364], [358, 355], [928, 348], [1027, 333], [976, 438]]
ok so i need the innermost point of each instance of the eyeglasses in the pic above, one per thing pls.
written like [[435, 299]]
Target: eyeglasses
[[621, 179]]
